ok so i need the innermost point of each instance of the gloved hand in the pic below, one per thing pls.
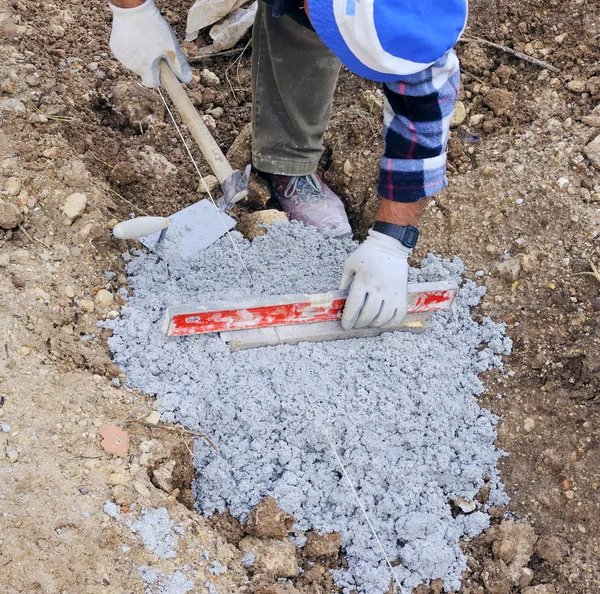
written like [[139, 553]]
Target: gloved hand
[[377, 274], [141, 37]]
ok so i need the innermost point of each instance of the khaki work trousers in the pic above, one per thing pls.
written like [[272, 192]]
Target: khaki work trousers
[[293, 80]]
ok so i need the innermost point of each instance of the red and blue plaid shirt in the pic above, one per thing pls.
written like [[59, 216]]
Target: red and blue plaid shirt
[[417, 113]]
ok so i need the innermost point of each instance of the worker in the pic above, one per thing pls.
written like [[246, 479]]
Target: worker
[[296, 57]]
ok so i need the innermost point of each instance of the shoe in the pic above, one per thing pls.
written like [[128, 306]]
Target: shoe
[[307, 199]]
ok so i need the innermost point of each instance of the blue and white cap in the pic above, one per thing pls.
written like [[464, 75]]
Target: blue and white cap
[[384, 39]]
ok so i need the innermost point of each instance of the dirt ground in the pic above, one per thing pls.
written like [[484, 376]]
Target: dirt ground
[[522, 211]]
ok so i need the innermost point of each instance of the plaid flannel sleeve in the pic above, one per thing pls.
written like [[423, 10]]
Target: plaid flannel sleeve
[[417, 113]]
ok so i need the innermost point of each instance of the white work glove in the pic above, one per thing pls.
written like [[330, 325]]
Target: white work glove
[[141, 37], [377, 274]]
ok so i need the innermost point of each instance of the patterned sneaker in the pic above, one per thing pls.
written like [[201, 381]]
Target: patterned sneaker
[[308, 200]]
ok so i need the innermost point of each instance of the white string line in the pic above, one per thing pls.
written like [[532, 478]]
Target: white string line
[[303, 385], [235, 247]]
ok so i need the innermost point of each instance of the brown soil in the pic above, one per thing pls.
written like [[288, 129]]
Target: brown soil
[[521, 234]]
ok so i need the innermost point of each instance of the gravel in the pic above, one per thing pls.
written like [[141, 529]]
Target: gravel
[[400, 408]]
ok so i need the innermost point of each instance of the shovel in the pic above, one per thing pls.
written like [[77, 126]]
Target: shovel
[[201, 224]]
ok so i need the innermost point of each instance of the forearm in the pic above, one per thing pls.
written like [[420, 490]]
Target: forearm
[[400, 213]]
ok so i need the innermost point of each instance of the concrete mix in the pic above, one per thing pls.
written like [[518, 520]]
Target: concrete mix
[[400, 407]]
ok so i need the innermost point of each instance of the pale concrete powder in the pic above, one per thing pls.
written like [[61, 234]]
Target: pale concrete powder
[[400, 407]]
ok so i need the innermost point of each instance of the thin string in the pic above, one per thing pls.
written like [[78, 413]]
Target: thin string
[[235, 247], [303, 385]]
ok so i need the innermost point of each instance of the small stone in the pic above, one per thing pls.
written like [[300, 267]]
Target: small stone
[[525, 578], [560, 38], [551, 549], [276, 557], [117, 479], [209, 121], [508, 270], [141, 489], [123, 174], [10, 104], [87, 305], [277, 589], [141, 107], [104, 298], [239, 154], [465, 505], [39, 293], [10, 216], [207, 184], [259, 192], [209, 79], [12, 455], [68, 291], [24, 351], [576, 86], [13, 186], [4, 260], [268, 520], [569, 494], [153, 418], [528, 425], [216, 113], [122, 495], [540, 589], [348, 169], [592, 152], [162, 476], [499, 101], [459, 114], [322, 545], [74, 205], [476, 119], [253, 225]]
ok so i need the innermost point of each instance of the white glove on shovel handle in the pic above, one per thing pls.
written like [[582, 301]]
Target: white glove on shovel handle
[[140, 37], [377, 274]]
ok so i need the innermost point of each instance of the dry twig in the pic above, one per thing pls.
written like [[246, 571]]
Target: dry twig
[[512, 52]]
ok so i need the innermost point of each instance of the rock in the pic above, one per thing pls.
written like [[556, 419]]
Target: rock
[[153, 418], [116, 478], [12, 455], [508, 270], [14, 105], [372, 100], [277, 589], [576, 86], [10, 216], [504, 73], [87, 305], [514, 546], [592, 152], [141, 106], [141, 488], [474, 58], [74, 205], [4, 259], [540, 589], [528, 425], [592, 86], [551, 549], [104, 298], [162, 476], [123, 174], [259, 192], [272, 556], [207, 184], [251, 225], [239, 154], [209, 78], [216, 113], [322, 545], [560, 38], [268, 520], [496, 579], [150, 163], [39, 293], [476, 119], [122, 495], [68, 291], [465, 505], [526, 577], [348, 169], [499, 101], [51, 153], [459, 114], [13, 186]]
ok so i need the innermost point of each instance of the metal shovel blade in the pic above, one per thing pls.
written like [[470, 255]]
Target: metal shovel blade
[[191, 230]]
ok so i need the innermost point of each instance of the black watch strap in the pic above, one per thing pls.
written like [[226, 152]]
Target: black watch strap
[[407, 235]]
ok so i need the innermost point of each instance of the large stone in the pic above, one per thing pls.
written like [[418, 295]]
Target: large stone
[[253, 225], [499, 101], [459, 114], [322, 545], [10, 215], [162, 476], [272, 556], [74, 205], [149, 163], [141, 106], [592, 152], [268, 520]]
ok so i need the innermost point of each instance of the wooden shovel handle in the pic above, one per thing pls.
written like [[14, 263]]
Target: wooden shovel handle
[[210, 149]]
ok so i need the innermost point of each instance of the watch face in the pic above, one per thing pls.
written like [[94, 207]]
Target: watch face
[[410, 237]]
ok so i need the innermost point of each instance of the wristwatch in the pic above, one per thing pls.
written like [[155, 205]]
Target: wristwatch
[[407, 235]]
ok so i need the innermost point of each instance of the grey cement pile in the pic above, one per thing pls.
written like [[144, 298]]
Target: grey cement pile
[[400, 407]]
